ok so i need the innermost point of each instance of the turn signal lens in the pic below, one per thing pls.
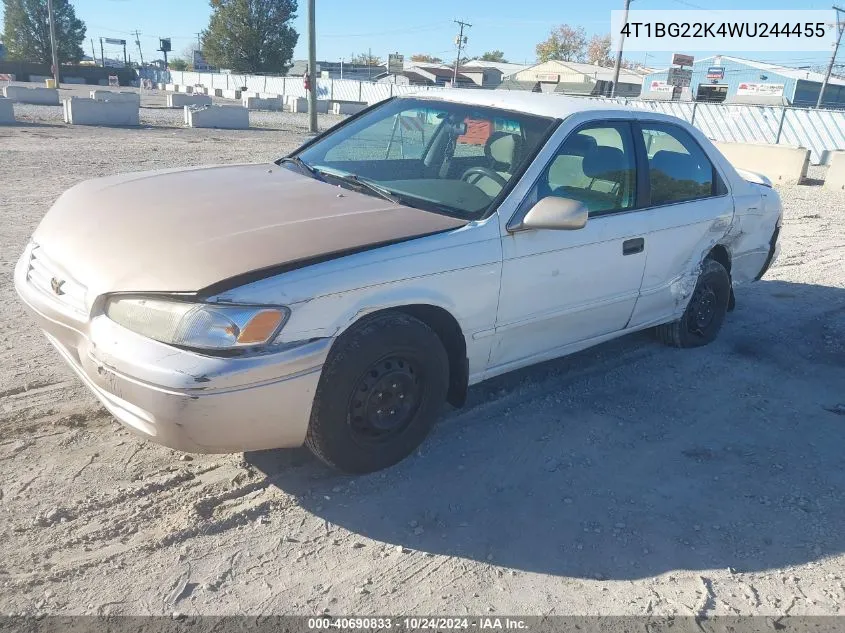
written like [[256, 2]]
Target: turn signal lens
[[261, 327]]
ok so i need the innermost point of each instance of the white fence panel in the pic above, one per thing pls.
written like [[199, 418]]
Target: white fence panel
[[254, 83], [276, 85], [190, 79], [821, 131], [346, 90], [738, 123], [373, 93]]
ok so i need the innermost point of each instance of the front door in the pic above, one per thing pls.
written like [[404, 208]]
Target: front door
[[560, 288]]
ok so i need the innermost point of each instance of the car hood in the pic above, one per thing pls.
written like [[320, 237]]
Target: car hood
[[183, 230]]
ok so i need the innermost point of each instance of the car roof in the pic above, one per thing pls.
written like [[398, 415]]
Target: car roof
[[540, 104]]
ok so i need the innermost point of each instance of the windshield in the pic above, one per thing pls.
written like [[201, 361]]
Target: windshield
[[445, 157]]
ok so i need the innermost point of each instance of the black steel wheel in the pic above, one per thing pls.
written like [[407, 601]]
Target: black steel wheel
[[380, 393], [385, 399], [705, 312]]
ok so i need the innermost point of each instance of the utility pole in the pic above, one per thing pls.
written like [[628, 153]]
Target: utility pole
[[138, 44], [619, 52], [93, 52], [460, 40], [102, 53], [312, 67], [839, 28], [370, 64], [53, 44]]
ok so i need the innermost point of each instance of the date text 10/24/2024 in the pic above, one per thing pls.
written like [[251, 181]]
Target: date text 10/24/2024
[[417, 623]]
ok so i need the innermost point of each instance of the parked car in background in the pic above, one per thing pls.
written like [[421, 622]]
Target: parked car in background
[[342, 295]]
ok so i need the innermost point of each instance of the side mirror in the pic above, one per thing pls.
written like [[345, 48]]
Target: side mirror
[[559, 214]]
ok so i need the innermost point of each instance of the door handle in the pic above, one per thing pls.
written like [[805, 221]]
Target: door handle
[[634, 246]]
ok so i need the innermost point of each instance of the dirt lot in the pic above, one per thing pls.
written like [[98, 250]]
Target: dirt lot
[[628, 479]]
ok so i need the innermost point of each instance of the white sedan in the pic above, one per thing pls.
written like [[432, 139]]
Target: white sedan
[[341, 295]]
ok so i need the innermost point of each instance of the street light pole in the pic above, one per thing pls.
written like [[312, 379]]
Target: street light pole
[[619, 52], [312, 68], [53, 49]]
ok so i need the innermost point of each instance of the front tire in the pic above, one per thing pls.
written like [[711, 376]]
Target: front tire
[[705, 313], [381, 391]]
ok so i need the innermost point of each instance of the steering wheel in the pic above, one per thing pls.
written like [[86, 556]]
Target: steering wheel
[[485, 172]]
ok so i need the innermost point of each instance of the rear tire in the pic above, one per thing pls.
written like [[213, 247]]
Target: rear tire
[[381, 391], [705, 313]]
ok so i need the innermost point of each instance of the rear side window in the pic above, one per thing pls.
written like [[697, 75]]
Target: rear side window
[[678, 168]]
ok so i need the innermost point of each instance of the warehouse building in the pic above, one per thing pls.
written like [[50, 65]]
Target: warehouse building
[[726, 79], [575, 78]]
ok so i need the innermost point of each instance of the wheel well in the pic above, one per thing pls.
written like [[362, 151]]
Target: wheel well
[[449, 331], [721, 255]]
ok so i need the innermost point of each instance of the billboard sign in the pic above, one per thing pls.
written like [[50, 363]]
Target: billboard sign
[[679, 59], [395, 63], [716, 72], [680, 77], [764, 90], [111, 40], [660, 86]]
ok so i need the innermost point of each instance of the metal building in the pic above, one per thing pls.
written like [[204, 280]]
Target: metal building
[[723, 78]]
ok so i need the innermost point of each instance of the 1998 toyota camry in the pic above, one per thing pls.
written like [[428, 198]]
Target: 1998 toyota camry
[[340, 296]]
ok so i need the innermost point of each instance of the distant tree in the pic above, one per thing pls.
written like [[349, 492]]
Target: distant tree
[[26, 31], [425, 58], [493, 56], [366, 59], [177, 64], [565, 43], [598, 51], [251, 35]]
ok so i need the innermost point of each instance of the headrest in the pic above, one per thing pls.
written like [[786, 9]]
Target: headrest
[[503, 150], [674, 164], [579, 145], [604, 163]]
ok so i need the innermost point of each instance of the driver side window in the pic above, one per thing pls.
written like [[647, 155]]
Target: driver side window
[[594, 165]]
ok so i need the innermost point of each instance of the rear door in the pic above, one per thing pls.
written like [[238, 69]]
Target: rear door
[[689, 211]]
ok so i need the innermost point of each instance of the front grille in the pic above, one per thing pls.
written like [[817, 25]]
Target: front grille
[[46, 277]]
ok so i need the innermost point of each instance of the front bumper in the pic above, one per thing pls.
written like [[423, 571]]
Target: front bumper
[[181, 399]]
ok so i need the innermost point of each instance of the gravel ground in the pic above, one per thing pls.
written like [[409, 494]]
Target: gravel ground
[[627, 479]]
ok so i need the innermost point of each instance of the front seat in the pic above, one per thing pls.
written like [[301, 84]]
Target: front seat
[[503, 151]]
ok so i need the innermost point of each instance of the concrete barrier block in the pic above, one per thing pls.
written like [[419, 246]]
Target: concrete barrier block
[[171, 87], [186, 89], [835, 177], [345, 107], [217, 116], [92, 112], [201, 90], [301, 105], [782, 164], [7, 111], [180, 100], [39, 79], [38, 96], [257, 103], [111, 95], [230, 94]]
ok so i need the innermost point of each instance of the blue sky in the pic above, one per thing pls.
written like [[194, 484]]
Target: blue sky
[[344, 27]]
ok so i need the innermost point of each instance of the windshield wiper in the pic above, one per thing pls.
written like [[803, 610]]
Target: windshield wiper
[[369, 185], [296, 160]]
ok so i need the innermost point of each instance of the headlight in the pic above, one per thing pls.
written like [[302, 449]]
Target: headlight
[[198, 325]]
